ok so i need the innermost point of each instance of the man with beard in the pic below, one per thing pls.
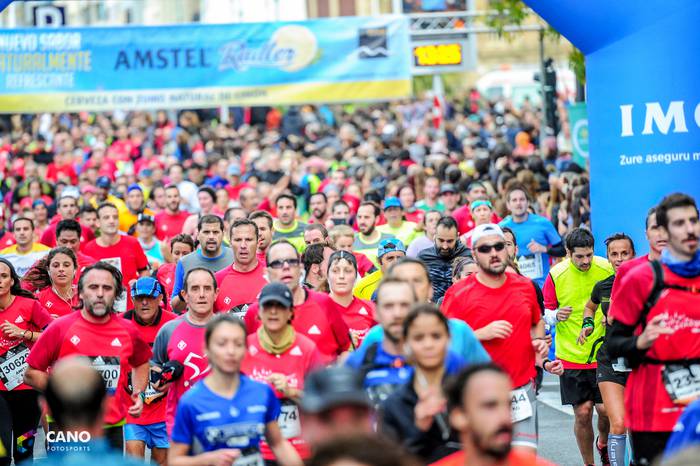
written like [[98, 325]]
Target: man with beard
[[368, 237], [287, 226], [662, 297], [211, 255], [318, 206], [263, 220], [566, 291], [240, 284], [503, 310], [170, 221], [479, 404], [439, 258], [123, 252], [113, 345]]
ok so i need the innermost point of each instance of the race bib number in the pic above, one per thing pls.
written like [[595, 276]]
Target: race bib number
[[120, 301], [682, 382], [620, 365], [110, 369], [288, 420], [531, 266], [12, 366], [254, 459], [151, 395], [520, 406]]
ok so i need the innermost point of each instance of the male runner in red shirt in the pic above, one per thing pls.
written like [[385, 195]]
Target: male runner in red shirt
[[656, 321], [170, 221], [123, 252], [241, 283], [148, 430], [180, 342], [503, 310], [113, 345], [313, 315]]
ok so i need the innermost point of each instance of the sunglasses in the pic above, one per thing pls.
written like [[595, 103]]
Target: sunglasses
[[279, 263], [486, 248]]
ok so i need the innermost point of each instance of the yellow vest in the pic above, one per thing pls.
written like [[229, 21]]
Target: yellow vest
[[573, 288]]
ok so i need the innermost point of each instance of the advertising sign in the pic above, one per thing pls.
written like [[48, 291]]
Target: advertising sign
[[643, 103], [71, 69]]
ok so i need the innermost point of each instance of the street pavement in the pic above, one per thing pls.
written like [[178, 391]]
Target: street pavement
[[556, 426]]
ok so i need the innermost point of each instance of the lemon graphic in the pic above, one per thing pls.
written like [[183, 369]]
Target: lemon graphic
[[301, 41]]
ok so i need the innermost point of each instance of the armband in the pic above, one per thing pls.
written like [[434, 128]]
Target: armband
[[588, 322]]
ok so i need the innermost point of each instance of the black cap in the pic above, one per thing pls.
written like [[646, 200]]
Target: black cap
[[103, 182], [145, 218], [276, 292], [333, 387], [448, 188]]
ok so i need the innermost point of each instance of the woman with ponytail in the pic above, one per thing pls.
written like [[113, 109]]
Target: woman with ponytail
[[53, 277]]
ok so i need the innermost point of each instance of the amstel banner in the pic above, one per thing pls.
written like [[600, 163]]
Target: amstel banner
[[198, 66]]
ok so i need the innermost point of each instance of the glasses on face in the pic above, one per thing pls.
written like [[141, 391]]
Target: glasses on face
[[279, 263], [486, 248]]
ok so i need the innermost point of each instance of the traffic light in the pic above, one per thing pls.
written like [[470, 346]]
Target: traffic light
[[550, 95]]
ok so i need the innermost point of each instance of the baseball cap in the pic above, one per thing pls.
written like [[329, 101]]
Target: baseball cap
[[448, 188], [332, 387], [276, 292], [488, 229], [145, 218], [70, 191], [146, 286], [390, 245], [134, 186], [103, 182], [392, 202], [234, 170]]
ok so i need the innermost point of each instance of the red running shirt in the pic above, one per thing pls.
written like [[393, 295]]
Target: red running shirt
[[316, 318], [238, 290], [55, 305], [168, 225], [182, 341], [126, 255], [358, 316], [166, 276], [115, 347], [154, 403], [27, 314], [648, 406], [295, 363], [516, 302], [515, 458]]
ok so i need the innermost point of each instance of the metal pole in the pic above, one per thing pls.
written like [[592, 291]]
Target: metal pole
[[543, 129]]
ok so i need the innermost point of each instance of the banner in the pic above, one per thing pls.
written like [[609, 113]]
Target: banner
[[198, 66], [643, 103], [578, 122]]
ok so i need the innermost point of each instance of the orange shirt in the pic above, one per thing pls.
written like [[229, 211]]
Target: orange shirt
[[515, 458]]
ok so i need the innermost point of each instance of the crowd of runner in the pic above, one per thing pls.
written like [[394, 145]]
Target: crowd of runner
[[321, 285]]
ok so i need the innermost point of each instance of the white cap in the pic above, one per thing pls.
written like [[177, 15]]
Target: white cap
[[489, 229]]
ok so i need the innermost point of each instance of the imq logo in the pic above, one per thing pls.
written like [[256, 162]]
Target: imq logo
[[657, 119]]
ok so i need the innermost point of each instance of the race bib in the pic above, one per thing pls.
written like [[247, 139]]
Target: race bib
[[120, 301], [531, 266], [620, 365], [110, 369], [520, 406], [288, 420], [12, 366], [151, 394], [682, 382], [254, 459]]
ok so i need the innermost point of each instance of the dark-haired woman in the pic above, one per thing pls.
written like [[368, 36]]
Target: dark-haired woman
[[357, 313], [53, 276], [281, 357], [415, 415], [23, 319], [224, 417]]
